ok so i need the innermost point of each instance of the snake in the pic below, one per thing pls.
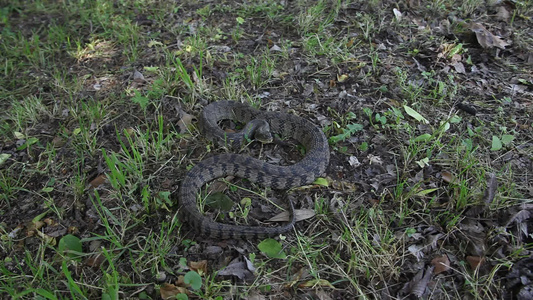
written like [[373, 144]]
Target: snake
[[264, 125]]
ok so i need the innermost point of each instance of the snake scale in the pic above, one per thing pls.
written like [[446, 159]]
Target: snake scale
[[303, 172]]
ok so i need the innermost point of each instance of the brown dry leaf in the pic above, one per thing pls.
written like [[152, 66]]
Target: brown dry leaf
[[218, 186], [441, 264], [199, 266], [486, 39], [170, 291], [98, 180], [475, 261], [50, 221], [95, 260], [350, 43], [449, 177], [185, 122]]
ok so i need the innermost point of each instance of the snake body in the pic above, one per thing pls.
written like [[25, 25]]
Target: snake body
[[278, 177]]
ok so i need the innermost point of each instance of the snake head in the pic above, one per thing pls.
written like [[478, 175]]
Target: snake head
[[258, 130]]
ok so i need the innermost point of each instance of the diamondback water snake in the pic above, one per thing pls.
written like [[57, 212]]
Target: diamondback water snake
[[303, 172]]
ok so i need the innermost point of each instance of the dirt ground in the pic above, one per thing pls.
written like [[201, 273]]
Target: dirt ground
[[427, 107]]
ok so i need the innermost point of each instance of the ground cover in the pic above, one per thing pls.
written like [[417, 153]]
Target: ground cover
[[427, 106]]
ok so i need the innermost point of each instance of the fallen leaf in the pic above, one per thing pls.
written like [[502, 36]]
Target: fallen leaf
[[299, 215], [199, 266], [397, 14], [459, 67], [475, 261], [441, 264], [138, 76], [185, 122], [58, 142], [238, 269], [98, 180], [170, 291], [95, 260], [218, 186], [342, 78], [502, 14], [413, 113], [486, 39], [316, 282], [419, 283], [449, 177]]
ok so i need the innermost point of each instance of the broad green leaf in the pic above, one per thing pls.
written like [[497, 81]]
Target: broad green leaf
[[70, 243], [219, 200], [321, 181], [4, 157], [194, 279], [423, 138], [413, 113], [496, 143], [507, 139], [47, 189], [272, 248], [455, 119], [18, 135]]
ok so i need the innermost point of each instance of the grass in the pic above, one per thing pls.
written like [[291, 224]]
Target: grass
[[95, 143]]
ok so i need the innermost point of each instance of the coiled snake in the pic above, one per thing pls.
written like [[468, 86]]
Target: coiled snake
[[278, 177]]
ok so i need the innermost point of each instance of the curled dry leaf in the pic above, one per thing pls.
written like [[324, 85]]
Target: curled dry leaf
[[441, 264]]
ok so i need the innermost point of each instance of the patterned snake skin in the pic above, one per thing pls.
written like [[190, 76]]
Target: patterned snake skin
[[278, 177]]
